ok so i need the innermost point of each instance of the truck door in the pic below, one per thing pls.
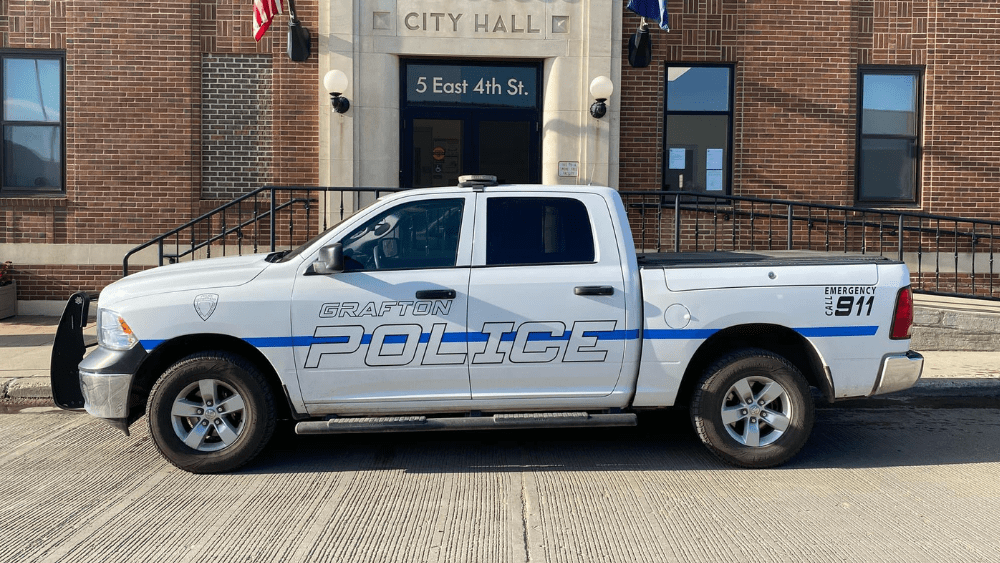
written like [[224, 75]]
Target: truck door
[[392, 325], [547, 303]]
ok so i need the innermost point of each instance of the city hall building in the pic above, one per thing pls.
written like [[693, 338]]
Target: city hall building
[[122, 121]]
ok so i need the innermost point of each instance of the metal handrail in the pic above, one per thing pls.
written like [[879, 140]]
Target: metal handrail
[[904, 232], [271, 212], [690, 220]]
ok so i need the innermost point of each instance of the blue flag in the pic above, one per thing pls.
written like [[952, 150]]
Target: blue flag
[[655, 10]]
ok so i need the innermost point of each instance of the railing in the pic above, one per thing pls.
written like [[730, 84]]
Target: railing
[[946, 255], [266, 217]]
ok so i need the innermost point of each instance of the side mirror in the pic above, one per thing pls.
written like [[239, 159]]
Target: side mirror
[[330, 261]]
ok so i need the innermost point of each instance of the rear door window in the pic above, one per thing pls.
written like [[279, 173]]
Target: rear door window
[[530, 230]]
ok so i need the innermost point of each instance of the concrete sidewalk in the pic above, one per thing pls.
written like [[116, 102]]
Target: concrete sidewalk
[[950, 333], [25, 352]]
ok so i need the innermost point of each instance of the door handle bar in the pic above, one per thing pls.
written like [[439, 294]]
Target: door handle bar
[[436, 294], [593, 290]]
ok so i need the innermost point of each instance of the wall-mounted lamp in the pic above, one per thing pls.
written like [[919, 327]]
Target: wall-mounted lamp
[[601, 89], [335, 83]]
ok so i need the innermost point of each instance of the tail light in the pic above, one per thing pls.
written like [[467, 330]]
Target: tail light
[[902, 317]]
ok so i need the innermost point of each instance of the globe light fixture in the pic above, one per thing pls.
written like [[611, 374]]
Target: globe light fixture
[[335, 83], [601, 89]]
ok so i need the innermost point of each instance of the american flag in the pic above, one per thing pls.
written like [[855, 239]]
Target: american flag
[[263, 12]]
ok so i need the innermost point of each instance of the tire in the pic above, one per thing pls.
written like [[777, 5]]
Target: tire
[[187, 425], [780, 409]]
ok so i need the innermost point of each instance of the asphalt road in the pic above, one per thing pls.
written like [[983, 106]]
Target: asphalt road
[[893, 483]]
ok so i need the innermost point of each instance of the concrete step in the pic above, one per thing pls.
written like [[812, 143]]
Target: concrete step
[[955, 324]]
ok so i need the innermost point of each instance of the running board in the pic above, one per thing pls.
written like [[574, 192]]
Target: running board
[[359, 425]]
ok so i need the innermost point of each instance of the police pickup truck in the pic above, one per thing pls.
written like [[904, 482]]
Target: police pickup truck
[[484, 306]]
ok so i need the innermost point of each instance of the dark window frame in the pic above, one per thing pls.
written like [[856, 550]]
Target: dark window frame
[[30, 54], [917, 138], [730, 114], [472, 116]]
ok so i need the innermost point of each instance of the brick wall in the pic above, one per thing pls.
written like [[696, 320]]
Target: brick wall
[[796, 93], [134, 121], [236, 121]]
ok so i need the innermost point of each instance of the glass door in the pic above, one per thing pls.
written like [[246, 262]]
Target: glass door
[[437, 152], [437, 149], [506, 151]]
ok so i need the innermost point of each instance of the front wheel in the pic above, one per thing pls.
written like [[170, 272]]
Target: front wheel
[[211, 412], [753, 409]]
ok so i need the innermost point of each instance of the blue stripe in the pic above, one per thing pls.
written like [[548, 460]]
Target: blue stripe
[[601, 335], [612, 335], [678, 334], [547, 336], [828, 331]]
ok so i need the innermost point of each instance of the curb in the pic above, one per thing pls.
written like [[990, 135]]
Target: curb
[[955, 392], [25, 388]]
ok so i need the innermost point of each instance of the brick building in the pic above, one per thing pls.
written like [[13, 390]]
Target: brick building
[[797, 71], [150, 113], [123, 120]]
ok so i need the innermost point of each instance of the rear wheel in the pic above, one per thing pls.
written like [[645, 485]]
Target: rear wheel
[[211, 412], [753, 409]]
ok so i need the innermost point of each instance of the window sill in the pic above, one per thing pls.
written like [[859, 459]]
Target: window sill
[[24, 200], [887, 205]]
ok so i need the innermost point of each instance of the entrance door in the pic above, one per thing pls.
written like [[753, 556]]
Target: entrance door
[[469, 118]]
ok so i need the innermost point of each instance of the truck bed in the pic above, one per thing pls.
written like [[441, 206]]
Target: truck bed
[[727, 259]]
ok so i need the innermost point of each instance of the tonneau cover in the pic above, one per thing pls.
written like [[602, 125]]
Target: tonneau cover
[[778, 258]]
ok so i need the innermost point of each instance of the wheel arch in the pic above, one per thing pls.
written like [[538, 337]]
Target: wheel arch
[[173, 350], [776, 339]]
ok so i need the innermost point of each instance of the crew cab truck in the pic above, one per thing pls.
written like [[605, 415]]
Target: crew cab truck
[[485, 306]]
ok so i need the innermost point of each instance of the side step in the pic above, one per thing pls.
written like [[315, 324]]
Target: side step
[[359, 425]]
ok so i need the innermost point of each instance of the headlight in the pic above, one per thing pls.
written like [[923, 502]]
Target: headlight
[[113, 332]]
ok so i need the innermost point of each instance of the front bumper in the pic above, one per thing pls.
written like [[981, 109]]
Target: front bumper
[[106, 380], [105, 395], [100, 382], [898, 372]]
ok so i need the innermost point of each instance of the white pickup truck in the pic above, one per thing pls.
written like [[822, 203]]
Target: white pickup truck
[[484, 306]]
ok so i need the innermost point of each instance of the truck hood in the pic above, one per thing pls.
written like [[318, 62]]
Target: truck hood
[[199, 274]]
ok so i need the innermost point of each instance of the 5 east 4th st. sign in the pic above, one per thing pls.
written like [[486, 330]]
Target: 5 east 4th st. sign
[[477, 85]]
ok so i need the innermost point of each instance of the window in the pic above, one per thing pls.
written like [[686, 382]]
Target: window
[[889, 134], [33, 122], [537, 231], [421, 234], [699, 118]]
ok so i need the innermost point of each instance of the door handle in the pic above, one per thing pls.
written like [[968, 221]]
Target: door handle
[[436, 294], [593, 290]]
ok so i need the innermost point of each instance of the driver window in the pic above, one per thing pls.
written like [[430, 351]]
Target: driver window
[[419, 234]]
